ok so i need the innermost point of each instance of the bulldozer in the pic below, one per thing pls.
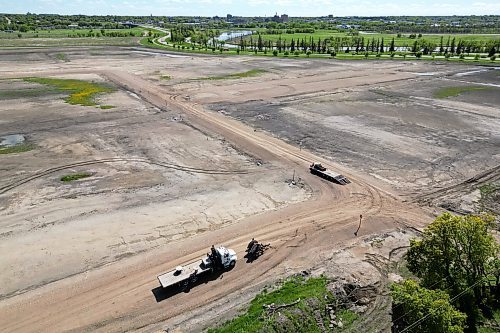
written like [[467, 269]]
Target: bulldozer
[[255, 250]]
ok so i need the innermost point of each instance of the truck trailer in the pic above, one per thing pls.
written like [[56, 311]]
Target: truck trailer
[[219, 259], [321, 171]]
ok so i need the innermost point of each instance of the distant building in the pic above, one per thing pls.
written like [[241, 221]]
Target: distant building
[[280, 19]]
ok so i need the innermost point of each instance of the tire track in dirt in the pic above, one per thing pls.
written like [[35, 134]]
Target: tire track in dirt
[[5, 188]]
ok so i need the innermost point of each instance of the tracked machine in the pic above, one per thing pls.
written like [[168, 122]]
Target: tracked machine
[[255, 249]]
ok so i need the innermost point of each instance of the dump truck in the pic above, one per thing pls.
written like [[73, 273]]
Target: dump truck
[[255, 249], [219, 259], [319, 170]]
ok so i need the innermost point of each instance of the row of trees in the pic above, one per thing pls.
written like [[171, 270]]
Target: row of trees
[[358, 44], [458, 264]]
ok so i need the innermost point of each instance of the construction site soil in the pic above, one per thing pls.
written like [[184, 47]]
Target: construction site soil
[[182, 161]]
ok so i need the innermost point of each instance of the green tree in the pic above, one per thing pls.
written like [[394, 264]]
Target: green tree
[[456, 254], [392, 48], [417, 309]]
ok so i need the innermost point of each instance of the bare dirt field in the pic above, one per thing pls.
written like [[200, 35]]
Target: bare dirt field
[[182, 162]]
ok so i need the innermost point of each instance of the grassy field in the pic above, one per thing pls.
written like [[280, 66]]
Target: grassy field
[[49, 42], [62, 33], [455, 91], [80, 92], [75, 176], [312, 295]]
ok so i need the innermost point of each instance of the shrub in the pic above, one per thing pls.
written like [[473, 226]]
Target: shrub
[[476, 57], [493, 58], [275, 53], [308, 53], [296, 53], [286, 53]]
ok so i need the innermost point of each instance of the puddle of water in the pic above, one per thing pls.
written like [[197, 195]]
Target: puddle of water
[[427, 73], [471, 72], [11, 140]]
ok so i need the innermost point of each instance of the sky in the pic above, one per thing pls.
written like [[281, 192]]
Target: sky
[[253, 7]]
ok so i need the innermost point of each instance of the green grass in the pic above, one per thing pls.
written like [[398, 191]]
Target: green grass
[[455, 91], [84, 41], [62, 57], [250, 73], [291, 290], [19, 148], [26, 93], [75, 176], [165, 77], [348, 317], [81, 92], [63, 33], [106, 107]]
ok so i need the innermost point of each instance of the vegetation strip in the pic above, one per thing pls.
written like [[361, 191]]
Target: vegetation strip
[[250, 73], [455, 91], [81, 92], [75, 176], [19, 148], [297, 298]]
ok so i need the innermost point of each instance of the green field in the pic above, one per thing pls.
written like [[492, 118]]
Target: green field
[[48, 42], [63, 33], [70, 37]]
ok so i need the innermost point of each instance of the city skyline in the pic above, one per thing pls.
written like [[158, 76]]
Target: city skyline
[[252, 8]]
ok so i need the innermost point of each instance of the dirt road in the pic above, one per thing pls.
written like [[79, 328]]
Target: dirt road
[[124, 297]]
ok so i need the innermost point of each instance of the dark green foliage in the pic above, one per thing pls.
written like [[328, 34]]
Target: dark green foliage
[[459, 255], [412, 303]]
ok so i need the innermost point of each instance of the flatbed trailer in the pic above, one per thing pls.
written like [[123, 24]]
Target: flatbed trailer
[[218, 259], [319, 170]]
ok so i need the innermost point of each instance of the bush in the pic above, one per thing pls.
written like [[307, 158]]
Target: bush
[[477, 56], [308, 53], [462, 56], [493, 58], [418, 55], [393, 54], [286, 53], [296, 53], [275, 53], [333, 54], [377, 55], [366, 55]]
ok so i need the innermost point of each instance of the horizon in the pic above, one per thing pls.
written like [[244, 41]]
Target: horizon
[[253, 8]]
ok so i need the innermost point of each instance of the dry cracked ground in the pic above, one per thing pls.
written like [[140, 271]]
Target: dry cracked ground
[[157, 178]]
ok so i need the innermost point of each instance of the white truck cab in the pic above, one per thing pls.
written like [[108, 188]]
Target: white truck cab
[[227, 257]]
